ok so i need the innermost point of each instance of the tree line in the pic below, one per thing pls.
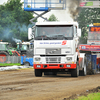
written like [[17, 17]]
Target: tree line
[[86, 17], [14, 21]]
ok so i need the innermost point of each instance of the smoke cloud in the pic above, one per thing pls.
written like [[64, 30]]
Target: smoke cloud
[[73, 7], [11, 31], [16, 40]]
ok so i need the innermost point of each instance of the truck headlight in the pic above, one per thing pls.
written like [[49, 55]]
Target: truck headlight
[[68, 65], [69, 58], [37, 59], [38, 66]]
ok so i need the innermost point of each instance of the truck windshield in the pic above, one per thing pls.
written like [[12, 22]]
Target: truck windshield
[[54, 32], [2, 46], [93, 35], [23, 47]]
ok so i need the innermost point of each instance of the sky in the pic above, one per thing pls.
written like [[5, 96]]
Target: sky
[[2, 1], [61, 15]]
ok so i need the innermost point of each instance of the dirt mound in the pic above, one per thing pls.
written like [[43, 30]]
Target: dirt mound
[[94, 90]]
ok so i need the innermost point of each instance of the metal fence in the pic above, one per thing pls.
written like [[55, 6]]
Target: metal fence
[[10, 59]]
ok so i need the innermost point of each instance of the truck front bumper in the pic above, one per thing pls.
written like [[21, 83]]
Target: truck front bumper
[[54, 66]]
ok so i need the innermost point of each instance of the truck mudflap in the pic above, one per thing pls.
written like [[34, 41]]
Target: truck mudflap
[[54, 66]]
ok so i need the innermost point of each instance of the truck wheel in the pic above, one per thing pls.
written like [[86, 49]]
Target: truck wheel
[[26, 64], [75, 72], [3, 57], [38, 72], [84, 71]]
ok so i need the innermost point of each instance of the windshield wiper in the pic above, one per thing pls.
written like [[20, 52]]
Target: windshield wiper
[[59, 36], [43, 37], [38, 37]]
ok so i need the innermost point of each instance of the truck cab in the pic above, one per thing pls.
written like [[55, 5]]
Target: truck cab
[[55, 47]]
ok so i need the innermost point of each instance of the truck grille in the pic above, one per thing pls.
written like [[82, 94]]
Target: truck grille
[[53, 59]]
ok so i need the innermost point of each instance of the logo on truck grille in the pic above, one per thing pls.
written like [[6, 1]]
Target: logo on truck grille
[[64, 42]]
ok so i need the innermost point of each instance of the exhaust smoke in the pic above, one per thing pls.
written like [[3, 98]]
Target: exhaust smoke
[[16, 40], [73, 7]]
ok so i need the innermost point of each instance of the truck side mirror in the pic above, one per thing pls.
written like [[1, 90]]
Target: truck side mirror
[[79, 32], [29, 33]]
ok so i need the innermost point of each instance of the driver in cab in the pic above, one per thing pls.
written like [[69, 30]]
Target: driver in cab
[[67, 33]]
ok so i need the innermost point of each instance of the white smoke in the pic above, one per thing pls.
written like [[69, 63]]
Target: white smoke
[[16, 40]]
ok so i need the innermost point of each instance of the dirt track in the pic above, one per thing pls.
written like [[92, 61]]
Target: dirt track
[[23, 85]]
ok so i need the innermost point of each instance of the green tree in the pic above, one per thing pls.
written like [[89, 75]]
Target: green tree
[[86, 17], [14, 21], [53, 18]]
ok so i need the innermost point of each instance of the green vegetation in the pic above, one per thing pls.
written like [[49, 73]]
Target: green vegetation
[[92, 96], [86, 17], [53, 18], [14, 21], [9, 64]]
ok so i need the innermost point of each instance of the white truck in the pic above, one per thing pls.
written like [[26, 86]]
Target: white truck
[[56, 48]]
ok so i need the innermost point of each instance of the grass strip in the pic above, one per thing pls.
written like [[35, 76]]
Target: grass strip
[[10, 64], [91, 96]]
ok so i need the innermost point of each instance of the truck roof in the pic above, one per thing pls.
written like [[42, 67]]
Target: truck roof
[[57, 23]]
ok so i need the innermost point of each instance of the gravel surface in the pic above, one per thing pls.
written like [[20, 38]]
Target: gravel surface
[[23, 85]]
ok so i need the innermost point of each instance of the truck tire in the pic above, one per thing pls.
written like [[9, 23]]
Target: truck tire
[[3, 57], [38, 72], [75, 72], [84, 71]]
